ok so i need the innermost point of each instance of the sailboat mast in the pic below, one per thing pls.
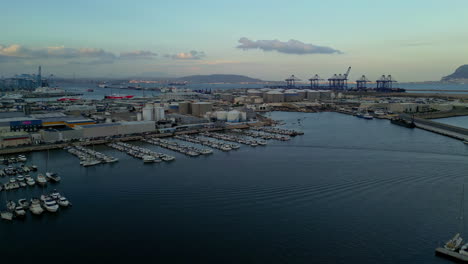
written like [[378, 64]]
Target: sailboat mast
[[462, 211]]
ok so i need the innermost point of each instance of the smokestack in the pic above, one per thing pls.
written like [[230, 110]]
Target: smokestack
[[39, 77]]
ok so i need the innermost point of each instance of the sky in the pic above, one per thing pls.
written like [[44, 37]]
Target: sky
[[413, 40]]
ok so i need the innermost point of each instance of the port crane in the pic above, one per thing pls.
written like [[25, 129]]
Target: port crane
[[361, 83], [340, 81], [291, 81], [314, 81]]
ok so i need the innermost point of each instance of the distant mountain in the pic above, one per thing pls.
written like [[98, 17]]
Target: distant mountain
[[218, 78], [461, 73]]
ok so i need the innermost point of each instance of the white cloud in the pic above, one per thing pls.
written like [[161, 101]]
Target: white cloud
[[138, 54], [192, 55], [79, 55], [290, 47]]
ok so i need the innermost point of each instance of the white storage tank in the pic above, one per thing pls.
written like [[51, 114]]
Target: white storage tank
[[233, 116], [302, 94], [159, 113], [274, 97], [254, 92], [221, 115], [291, 96], [148, 112], [313, 95], [325, 94], [243, 116]]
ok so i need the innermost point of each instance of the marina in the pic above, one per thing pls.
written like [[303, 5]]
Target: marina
[[146, 155], [208, 142], [181, 148], [89, 157], [254, 189], [261, 134], [21, 177], [237, 139]]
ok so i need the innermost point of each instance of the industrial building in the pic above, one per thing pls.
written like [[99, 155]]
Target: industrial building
[[13, 139], [113, 129], [184, 108]]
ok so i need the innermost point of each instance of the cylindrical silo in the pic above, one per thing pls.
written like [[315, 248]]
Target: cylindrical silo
[[233, 116], [221, 115], [148, 112]]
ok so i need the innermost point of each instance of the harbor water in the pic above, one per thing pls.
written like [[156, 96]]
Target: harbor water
[[348, 191], [460, 121]]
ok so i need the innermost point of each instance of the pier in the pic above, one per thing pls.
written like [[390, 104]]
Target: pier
[[439, 128]]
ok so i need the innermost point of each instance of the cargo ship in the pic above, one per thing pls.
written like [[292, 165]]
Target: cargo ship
[[402, 122], [118, 96]]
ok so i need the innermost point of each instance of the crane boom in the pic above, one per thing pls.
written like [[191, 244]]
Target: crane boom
[[347, 72]]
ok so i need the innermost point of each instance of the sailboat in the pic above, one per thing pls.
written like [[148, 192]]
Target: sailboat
[[52, 176], [6, 215], [454, 248]]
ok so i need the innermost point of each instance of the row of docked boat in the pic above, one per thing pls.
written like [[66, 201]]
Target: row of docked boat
[[182, 148], [208, 142], [148, 156], [11, 160], [21, 181], [48, 202], [89, 157], [280, 131], [232, 138], [14, 170], [262, 135]]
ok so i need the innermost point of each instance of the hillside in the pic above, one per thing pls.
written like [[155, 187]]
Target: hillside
[[218, 78], [460, 73]]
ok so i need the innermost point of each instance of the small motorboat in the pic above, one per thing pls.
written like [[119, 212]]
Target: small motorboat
[[35, 206], [367, 116], [23, 203], [63, 201], [19, 211], [41, 179], [11, 205], [53, 177], [50, 205], [6, 215], [30, 181], [149, 159], [34, 168]]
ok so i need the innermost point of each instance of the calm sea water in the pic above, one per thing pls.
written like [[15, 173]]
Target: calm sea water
[[461, 121], [348, 191]]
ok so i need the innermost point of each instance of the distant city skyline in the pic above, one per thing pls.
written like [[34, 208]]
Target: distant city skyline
[[270, 40]]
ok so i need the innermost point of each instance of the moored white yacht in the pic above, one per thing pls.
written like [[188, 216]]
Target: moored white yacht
[[52, 176], [30, 181], [63, 201], [19, 211], [41, 179], [148, 159], [50, 205], [35, 206]]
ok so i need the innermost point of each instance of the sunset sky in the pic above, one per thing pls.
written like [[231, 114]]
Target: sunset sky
[[412, 40]]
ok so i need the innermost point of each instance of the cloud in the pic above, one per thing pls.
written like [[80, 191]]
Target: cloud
[[290, 47], [192, 55], [89, 56], [21, 52], [138, 54]]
